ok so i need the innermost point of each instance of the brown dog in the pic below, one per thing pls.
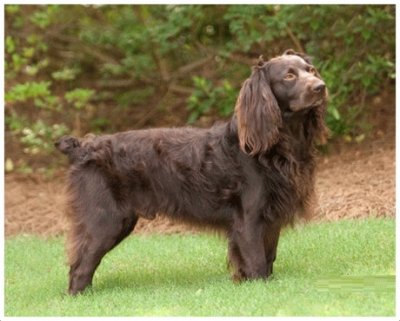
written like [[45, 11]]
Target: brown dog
[[249, 177]]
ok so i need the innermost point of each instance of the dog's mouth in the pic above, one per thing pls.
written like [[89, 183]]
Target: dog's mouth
[[318, 102], [292, 111]]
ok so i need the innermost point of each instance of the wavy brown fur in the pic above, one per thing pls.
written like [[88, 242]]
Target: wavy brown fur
[[248, 177]]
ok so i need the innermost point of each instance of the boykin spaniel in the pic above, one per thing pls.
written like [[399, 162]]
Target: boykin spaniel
[[249, 176]]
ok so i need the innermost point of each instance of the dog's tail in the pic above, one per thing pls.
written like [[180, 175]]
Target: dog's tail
[[72, 147]]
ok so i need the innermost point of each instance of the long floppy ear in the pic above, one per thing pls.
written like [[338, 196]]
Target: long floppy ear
[[258, 114]]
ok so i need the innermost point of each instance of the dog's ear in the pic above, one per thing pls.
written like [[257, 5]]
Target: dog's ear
[[258, 114]]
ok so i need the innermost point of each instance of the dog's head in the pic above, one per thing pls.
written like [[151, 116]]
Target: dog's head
[[295, 82], [285, 84]]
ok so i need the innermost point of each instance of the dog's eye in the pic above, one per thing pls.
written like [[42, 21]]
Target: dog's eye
[[289, 76], [312, 70]]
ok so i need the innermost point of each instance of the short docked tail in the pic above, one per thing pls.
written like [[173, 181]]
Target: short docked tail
[[71, 146]]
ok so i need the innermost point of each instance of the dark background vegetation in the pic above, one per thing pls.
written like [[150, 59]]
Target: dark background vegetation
[[78, 69]]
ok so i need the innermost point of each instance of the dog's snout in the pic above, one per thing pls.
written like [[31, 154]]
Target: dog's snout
[[318, 88]]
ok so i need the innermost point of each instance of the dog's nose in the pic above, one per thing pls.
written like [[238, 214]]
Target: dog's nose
[[319, 87]]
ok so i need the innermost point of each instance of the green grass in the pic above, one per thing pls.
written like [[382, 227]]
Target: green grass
[[331, 269]]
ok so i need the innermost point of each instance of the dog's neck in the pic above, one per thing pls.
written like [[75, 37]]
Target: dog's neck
[[294, 125]]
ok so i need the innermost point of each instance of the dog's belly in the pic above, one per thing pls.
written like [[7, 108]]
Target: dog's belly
[[193, 208]]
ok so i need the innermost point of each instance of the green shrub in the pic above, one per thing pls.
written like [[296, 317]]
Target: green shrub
[[207, 96]]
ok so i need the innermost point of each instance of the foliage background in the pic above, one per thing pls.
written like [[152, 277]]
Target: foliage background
[[75, 68]]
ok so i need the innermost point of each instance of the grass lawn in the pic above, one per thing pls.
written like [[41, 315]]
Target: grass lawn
[[330, 269]]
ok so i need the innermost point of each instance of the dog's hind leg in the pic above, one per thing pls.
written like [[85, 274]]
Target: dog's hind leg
[[98, 225], [89, 245]]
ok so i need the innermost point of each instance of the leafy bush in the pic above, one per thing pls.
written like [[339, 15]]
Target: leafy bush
[[102, 67], [206, 96]]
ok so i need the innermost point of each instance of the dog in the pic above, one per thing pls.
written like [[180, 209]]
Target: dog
[[249, 177]]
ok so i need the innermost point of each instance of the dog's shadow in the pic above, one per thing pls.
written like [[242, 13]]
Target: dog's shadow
[[155, 277]]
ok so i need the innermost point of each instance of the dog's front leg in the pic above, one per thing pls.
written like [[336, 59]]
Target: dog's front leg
[[270, 245], [246, 247]]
